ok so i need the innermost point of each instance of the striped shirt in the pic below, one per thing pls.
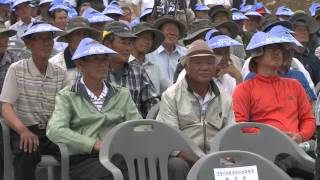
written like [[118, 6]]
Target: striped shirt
[[96, 101], [31, 93]]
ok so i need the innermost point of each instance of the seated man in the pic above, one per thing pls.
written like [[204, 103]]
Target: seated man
[[85, 111], [148, 39], [286, 104], [28, 99], [196, 105], [7, 57], [129, 74], [77, 29]]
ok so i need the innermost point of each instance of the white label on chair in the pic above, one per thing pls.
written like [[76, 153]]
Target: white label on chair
[[236, 173]]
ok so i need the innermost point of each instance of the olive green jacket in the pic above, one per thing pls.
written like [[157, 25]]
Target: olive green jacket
[[77, 123]]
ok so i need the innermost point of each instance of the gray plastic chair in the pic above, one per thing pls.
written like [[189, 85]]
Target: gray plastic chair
[[203, 169], [141, 141], [153, 112], [269, 143], [47, 161]]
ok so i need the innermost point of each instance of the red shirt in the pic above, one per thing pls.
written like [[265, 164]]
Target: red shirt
[[276, 101]]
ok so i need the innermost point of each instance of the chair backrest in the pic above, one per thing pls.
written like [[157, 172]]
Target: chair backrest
[[269, 142], [145, 145], [204, 168], [153, 112]]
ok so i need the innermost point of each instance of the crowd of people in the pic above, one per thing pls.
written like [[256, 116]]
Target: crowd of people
[[72, 70]]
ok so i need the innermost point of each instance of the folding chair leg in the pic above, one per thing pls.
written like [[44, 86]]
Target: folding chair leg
[[50, 172]]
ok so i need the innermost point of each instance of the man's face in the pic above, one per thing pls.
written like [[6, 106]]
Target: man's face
[[4, 12], [201, 14], [126, 15], [301, 34], [94, 67], [40, 44], [171, 32], [272, 57], [225, 31], [220, 17], [252, 23], [24, 10], [224, 52], [61, 19], [144, 43], [44, 8], [121, 45], [75, 37], [200, 69], [4, 39]]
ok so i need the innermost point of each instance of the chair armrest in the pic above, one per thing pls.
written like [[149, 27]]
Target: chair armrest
[[64, 161], [116, 172]]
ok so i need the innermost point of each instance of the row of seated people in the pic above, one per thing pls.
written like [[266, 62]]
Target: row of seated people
[[83, 112]]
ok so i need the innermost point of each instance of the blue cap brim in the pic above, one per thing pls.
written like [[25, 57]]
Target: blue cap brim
[[89, 47], [221, 41]]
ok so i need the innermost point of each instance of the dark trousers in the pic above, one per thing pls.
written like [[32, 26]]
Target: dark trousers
[[88, 167], [25, 163]]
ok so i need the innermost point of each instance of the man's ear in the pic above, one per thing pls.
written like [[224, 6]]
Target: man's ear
[[27, 42], [79, 63], [107, 44]]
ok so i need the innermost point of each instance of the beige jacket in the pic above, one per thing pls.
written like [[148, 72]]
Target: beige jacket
[[181, 109]]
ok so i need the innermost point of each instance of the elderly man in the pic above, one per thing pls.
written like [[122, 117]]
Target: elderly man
[[196, 105], [7, 57], [103, 105], [24, 12], [129, 74], [29, 98], [76, 29], [168, 54]]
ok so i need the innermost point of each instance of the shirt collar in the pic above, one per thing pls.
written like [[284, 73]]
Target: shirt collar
[[35, 72], [146, 60], [21, 23], [179, 50], [92, 95]]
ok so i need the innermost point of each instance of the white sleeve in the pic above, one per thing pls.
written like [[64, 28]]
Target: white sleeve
[[301, 68], [245, 68]]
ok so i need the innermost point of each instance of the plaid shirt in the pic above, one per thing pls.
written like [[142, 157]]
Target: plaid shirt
[[135, 77], [8, 58]]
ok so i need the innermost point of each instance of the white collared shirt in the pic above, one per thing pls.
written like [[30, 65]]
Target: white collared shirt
[[204, 101], [166, 62], [20, 27], [97, 101]]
